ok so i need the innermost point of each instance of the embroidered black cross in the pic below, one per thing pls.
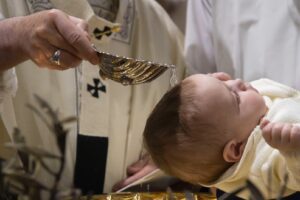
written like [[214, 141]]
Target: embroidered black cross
[[99, 33], [94, 89]]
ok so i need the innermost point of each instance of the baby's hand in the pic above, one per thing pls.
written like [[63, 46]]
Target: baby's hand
[[282, 136]]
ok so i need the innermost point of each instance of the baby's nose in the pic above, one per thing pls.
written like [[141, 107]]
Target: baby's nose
[[239, 85]]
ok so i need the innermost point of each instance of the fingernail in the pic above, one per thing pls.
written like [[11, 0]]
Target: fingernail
[[94, 59], [263, 122]]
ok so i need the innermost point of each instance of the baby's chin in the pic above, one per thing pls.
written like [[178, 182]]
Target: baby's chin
[[263, 114]]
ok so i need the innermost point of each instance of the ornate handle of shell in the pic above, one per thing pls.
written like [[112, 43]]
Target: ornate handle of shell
[[129, 71]]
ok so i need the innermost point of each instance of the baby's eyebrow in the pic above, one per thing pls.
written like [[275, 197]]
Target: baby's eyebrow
[[227, 87], [234, 97]]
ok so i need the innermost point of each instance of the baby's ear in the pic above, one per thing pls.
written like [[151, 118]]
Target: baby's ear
[[233, 151]]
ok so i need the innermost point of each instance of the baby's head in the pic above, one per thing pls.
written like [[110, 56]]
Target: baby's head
[[200, 127]]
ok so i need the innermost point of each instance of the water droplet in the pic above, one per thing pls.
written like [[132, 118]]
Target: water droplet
[[126, 81], [173, 78]]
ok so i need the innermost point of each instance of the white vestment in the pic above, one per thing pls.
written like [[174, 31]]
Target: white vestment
[[121, 112], [248, 39]]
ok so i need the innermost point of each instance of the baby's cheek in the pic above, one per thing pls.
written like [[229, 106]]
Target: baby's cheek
[[253, 107], [257, 102], [262, 105]]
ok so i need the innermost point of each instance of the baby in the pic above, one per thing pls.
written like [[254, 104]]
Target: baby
[[206, 131]]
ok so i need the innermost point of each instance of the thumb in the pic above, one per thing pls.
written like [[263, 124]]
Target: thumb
[[263, 123]]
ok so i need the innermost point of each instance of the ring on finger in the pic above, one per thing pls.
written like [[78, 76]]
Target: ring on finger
[[55, 58]]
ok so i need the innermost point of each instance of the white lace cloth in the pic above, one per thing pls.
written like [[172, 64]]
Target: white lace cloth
[[8, 85]]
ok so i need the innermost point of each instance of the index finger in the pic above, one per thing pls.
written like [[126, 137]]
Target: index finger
[[79, 23], [75, 37]]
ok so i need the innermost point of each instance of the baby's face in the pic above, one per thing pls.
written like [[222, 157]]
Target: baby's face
[[232, 105]]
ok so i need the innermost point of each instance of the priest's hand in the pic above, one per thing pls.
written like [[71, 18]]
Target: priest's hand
[[51, 39]]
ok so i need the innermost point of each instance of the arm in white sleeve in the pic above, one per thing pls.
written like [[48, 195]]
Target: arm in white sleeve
[[199, 51]]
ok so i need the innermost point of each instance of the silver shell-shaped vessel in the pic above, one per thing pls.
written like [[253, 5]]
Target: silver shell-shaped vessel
[[129, 71]]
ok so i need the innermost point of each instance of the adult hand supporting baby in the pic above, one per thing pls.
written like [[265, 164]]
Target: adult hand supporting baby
[[282, 136], [135, 171]]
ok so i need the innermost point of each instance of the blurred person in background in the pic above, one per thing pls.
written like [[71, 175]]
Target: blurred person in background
[[177, 11], [245, 39]]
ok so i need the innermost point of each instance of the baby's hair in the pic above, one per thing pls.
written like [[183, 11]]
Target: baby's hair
[[183, 143]]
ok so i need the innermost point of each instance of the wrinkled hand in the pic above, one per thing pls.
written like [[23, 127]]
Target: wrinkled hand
[[45, 32], [282, 136], [136, 171]]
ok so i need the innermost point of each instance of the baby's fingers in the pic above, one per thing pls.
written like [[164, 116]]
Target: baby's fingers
[[264, 122], [266, 128], [282, 136], [286, 135], [277, 134], [290, 138], [295, 138], [272, 133]]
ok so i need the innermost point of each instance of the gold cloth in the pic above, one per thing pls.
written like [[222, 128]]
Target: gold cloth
[[152, 196]]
